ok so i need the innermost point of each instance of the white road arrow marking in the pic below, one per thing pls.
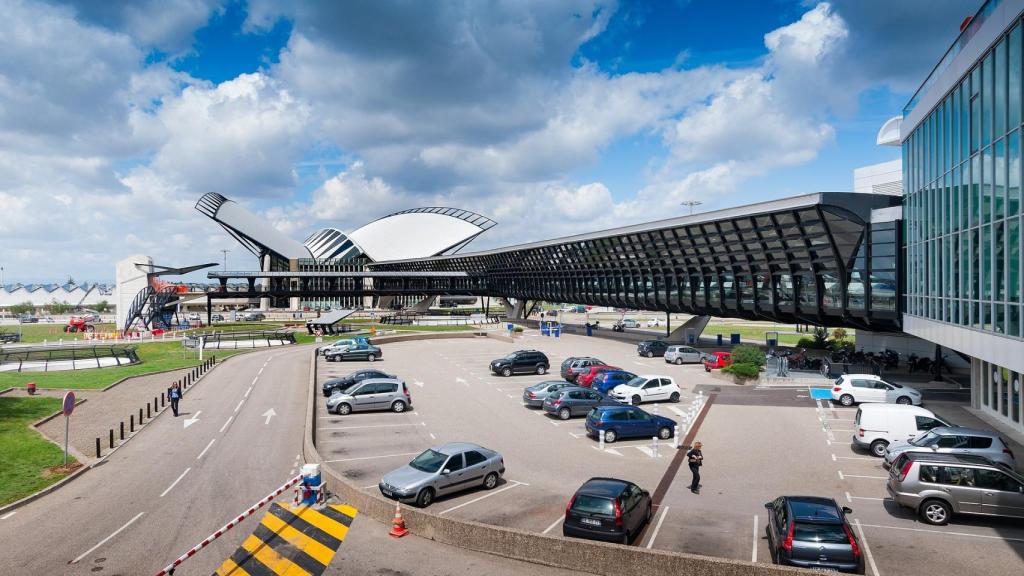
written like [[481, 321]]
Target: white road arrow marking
[[193, 420], [269, 414], [418, 383], [460, 380]]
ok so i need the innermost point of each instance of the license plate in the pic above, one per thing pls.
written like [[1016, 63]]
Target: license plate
[[387, 493], [590, 521]]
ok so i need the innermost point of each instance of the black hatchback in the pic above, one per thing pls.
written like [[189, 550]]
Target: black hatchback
[[651, 348], [607, 509], [812, 532], [341, 384]]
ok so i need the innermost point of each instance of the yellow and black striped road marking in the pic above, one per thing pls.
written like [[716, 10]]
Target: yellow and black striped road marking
[[291, 541]]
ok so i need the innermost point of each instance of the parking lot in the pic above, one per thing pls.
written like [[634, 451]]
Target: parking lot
[[758, 444]]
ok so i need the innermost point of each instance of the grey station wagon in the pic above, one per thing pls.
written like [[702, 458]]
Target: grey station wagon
[[371, 394], [443, 470]]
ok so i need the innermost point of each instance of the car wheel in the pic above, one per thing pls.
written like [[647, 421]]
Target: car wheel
[[610, 436], [371, 357], [625, 538], [707, 368], [506, 372], [398, 406], [904, 400], [490, 481], [679, 361], [635, 400], [846, 400], [665, 433], [878, 448], [425, 497], [541, 369], [344, 409], [936, 512], [650, 354], [674, 397], [564, 413]]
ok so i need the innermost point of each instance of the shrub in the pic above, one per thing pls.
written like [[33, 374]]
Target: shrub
[[748, 355], [517, 329], [743, 369]]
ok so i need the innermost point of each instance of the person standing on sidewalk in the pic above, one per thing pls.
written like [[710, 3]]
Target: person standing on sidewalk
[[695, 458], [174, 395]]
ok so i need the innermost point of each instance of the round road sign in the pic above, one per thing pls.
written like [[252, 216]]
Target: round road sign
[[69, 403]]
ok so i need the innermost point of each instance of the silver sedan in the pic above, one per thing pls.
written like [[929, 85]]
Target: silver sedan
[[443, 470]]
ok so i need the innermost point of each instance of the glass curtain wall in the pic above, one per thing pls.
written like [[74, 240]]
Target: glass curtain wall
[[962, 209]]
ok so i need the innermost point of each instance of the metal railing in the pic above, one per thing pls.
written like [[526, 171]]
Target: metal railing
[[36, 357], [214, 339]]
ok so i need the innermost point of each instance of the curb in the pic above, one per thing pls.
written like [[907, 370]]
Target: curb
[[43, 492]]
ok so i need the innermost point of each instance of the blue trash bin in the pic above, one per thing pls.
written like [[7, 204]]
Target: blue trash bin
[[590, 330], [691, 339], [772, 343], [719, 339], [734, 339], [545, 330], [557, 331]]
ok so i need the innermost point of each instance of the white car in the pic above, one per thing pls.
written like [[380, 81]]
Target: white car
[[649, 388], [677, 354], [336, 346], [850, 389], [653, 323]]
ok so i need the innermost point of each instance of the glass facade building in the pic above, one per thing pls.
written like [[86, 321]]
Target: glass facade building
[[961, 143]]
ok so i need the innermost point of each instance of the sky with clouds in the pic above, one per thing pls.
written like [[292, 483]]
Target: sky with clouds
[[552, 118]]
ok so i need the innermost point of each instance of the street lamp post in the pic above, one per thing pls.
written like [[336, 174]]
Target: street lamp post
[[225, 251], [691, 204]]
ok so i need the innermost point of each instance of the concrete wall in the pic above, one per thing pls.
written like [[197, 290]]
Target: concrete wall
[[581, 555]]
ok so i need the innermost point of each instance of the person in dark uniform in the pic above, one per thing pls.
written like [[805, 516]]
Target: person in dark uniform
[[695, 458], [174, 395]]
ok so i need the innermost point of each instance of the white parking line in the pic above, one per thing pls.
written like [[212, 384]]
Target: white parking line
[[8, 515], [230, 418], [969, 535], [248, 391], [657, 527], [867, 477], [867, 550], [840, 472], [553, 524], [488, 495], [373, 426], [608, 450], [857, 458], [553, 423], [639, 363], [753, 552], [205, 449], [175, 483], [432, 437], [107, 539], [865, 498], [512, 396], [373, 457]]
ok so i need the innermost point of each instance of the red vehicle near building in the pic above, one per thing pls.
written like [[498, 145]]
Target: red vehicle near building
[[717, 360]]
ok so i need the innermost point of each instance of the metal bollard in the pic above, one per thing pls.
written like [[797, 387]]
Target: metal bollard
[[111, 438], [149, 414], [140, 416], [131, 423], [97, 446], [162, 404], [654, 446], [600, 439], [675, 438], [122, 429], [156, 407]]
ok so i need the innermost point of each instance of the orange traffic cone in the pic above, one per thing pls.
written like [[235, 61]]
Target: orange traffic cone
[[398, 524]]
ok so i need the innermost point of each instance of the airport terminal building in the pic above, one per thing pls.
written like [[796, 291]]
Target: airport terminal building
[[961, 140]]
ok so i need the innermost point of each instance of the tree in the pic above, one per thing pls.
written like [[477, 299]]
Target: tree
[[102, 306], [820, 337], [59, 307], [23, 308]]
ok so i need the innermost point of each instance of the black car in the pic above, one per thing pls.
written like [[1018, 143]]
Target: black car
[[651, 348], [607, 509], [521, 362], [216, 318], [812, 532], [27, 319], [341, 384]]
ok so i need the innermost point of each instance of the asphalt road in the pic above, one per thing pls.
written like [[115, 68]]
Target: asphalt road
[[172, 485]]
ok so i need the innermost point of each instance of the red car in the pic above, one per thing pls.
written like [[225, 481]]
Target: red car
[[586, 378], [717, 360]]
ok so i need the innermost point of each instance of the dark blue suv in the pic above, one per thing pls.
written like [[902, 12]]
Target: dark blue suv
[[605, 381], [627, 421]]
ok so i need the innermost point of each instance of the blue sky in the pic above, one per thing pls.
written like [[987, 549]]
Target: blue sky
[[551, 118]]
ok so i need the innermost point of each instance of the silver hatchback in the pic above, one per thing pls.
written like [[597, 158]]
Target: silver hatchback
[[371, 394], [677, 354], [955, 440], [442, 470]]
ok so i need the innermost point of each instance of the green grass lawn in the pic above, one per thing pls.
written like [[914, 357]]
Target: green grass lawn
[[25, 454], [753, 334], [155, 357]]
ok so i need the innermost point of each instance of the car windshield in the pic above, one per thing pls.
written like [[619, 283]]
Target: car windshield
[[820, 533], [925, 439], [636, 382], [893, 384], [429, 461], [511, 356], [593, 505]]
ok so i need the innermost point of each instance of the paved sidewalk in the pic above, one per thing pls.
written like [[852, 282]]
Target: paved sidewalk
[[104, 411]]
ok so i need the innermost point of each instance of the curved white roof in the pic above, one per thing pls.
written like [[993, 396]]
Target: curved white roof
[[419, 233], [255, 234]]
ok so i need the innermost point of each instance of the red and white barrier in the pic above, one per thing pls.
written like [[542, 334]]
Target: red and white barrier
[[170, 567]]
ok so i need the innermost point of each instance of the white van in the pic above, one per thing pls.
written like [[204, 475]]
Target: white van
[[876, 425]]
